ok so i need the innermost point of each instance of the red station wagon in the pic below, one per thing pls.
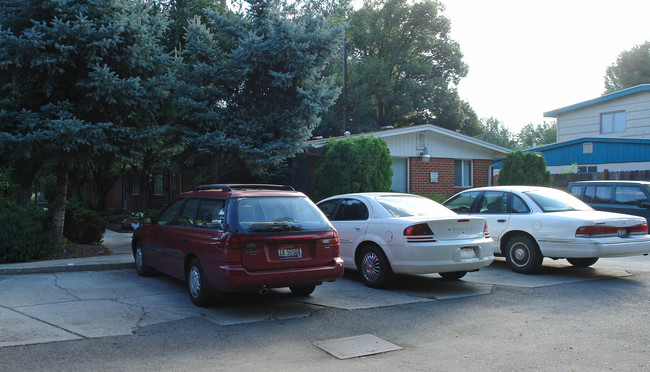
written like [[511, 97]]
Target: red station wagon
[[240, 238]]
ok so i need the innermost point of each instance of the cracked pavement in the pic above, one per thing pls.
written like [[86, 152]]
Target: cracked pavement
[[49, 307]]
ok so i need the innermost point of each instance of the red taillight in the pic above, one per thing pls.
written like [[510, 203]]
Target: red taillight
[[596, 231], [421, 229], [641, 229], [234, 241], [420, 233], [332, 241], [486, 231]]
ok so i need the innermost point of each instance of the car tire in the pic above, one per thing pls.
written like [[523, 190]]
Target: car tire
[[141, 266], [374, 267], [303, 291], [582, 262], [523, 255], [196, 284], [453, 275]]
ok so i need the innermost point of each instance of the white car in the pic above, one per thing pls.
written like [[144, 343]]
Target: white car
[[529, 223], [385, 233]]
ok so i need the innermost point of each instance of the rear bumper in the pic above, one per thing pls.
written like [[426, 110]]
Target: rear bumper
[[603, 247], [237, 278], [428, 259]]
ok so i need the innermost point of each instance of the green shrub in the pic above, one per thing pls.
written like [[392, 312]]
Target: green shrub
[[353, 165], [24, 233], [436, 197], [82, 226]]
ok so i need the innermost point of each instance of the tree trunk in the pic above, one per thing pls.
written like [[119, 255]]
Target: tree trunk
[[24, 175], [60, 196]]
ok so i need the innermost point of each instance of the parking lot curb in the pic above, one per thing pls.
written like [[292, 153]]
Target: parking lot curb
[[66, 268]]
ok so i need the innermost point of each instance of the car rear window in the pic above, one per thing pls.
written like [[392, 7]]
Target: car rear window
[[271, 214], [550, 200], [412, 205]]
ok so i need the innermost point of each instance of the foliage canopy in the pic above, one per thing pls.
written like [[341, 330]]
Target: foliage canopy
[[631, 68]]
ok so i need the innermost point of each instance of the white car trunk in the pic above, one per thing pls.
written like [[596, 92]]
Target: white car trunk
[[458, 228]]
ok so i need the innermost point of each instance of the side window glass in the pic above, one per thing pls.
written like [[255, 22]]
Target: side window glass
[[590, 194], [462, 203], [576, 190], [494, 202], [352, 210], [328, 207], [210, 214], [518, 205], [186, 217], [632, 195], [169, 214], [603, 194]]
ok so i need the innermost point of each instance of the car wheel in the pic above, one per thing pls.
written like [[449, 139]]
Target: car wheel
[[196, 284], [582, 262], [375, 269], [523, 255], [141, 266], [453, 275], [302, 291]]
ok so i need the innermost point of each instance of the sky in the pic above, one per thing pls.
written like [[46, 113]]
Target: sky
[[529, 57]]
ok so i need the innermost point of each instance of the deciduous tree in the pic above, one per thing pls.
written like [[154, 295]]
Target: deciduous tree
[[541, 134], [403, 68], [631, 68]]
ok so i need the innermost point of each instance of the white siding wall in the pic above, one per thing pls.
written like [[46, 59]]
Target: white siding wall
[[439, 146], [586, 122]]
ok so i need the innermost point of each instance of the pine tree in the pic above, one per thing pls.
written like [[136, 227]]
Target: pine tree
[[78, 77], [251, 89]]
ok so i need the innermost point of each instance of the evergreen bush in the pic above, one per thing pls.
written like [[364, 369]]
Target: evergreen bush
[[82, 225], [24, 233], [360, 164]]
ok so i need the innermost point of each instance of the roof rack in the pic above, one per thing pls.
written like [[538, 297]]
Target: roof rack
[[230, 187]]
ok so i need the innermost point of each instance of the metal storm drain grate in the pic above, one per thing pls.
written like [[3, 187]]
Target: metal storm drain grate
[[356, 346]]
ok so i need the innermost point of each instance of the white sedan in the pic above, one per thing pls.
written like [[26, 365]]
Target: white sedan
[[386, 233], [529, 223]]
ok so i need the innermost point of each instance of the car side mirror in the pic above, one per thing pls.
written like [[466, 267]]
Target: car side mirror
[[645, 205]]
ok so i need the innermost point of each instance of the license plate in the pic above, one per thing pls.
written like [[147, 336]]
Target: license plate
[[467, 253], [289, 252], [622, 233]]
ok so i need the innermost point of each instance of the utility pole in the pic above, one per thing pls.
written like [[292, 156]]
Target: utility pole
[[345, 87]]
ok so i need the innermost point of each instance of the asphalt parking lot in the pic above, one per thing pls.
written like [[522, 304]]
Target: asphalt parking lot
[[60, 306]]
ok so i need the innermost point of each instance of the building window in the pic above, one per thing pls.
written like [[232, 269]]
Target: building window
[[463, 173], [612, 122], [587, 169], [158, 184], [420, 142], [588, 148], [135, 185]]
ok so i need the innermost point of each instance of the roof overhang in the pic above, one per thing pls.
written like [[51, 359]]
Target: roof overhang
[[415, 129], [601, 99]]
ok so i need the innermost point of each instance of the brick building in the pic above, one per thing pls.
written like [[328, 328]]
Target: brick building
[[426, 160]]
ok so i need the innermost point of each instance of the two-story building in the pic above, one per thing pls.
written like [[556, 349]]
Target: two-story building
[[609, 133]]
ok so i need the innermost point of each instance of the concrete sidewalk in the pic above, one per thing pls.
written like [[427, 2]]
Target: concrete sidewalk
[[121, 257]]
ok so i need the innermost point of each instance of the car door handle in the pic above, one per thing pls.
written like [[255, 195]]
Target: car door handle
[[185, 240], [358, 228], [162, 236], [502, 221]]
